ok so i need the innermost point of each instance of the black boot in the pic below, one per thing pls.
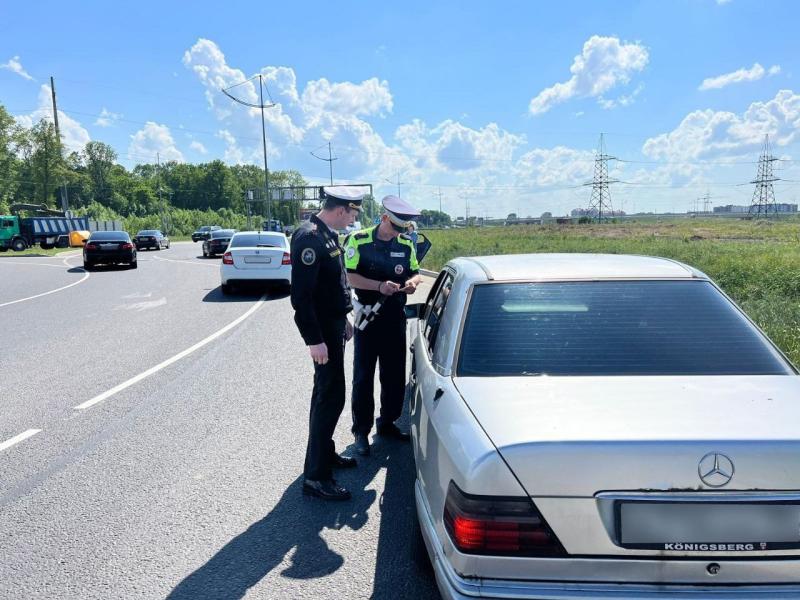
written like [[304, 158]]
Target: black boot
[[327, 490], [362, 444], [390, 430], [343, 462]]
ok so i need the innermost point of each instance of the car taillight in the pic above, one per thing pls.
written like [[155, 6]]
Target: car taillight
[[287, 259], [227, 259], [498, 525], [126, 246], [91, 246]]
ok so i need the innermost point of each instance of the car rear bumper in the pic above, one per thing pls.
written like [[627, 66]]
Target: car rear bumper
[[231, 275], [453, 586], [100, 258]]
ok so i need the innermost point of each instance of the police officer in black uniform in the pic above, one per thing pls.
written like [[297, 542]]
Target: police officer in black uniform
[[321, 300], [382, 267]]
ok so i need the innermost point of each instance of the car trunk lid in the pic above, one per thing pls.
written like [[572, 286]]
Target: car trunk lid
[[261, 257], [578, 436]]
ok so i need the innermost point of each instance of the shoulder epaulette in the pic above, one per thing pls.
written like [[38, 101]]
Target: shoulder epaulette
[[360, 235]]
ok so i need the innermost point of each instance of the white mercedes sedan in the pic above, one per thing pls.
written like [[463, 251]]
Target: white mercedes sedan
[[602, 426], [256, 256]]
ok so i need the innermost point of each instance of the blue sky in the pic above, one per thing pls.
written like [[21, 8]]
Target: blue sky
[[501, 104]]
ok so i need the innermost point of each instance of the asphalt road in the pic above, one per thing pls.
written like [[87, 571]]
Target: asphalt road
[[152, 440]]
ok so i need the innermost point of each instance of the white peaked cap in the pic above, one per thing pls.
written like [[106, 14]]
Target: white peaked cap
[[399, 208], [349, 193]]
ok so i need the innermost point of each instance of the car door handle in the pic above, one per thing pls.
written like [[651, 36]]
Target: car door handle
[[439, 393]]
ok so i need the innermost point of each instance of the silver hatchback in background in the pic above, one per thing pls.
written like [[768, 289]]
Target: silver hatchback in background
[[602, 426], [256, 257]]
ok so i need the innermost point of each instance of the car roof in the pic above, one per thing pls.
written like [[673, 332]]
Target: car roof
[[572, 266], [261, 232]]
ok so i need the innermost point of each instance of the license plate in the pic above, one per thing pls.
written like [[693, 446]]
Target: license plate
[[709, 526], [257, 259], [109, 246]]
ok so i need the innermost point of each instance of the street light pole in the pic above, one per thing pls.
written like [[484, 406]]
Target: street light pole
[[262, 106], [266, 169]]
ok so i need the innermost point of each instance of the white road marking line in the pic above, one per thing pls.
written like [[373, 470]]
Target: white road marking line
[[188, 262], [85, 277], [136, 379], [18, 438]]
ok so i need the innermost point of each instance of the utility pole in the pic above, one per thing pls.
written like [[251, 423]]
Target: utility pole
[[158, 175], [600, 200], [262, 106], [329, 160], [64, 193], [763, 202], [399, 183], [440, 199]]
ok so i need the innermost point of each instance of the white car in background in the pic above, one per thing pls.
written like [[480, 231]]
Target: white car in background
[[597, 426], [256, 256]]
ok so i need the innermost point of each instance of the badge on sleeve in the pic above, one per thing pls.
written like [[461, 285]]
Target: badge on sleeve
[[308, 256], [351, 252], [398, 269]]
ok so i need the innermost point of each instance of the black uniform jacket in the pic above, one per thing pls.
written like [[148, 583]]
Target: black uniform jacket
[[319, 283]]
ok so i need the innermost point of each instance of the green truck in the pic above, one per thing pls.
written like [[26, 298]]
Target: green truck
[[18, 233]]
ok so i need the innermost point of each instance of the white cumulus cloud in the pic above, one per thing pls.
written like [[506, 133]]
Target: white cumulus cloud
[[742, 75], [452, 146], [107, 118], [151, 141], [73, 135], [704, 134], [603, 64], [15, 66], [198, 147]]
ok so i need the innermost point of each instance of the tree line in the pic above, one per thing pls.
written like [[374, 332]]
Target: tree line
[[176, 196]]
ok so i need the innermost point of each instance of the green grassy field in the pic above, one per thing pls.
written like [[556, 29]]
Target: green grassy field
[[37, 251], [756, 262]]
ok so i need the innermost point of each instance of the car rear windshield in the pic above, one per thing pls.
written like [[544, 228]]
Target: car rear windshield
[[255, 240], [148, 232], [111, 236], [610, 328], [221, 233]]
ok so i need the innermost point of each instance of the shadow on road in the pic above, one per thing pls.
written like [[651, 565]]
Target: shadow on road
[[294, 524], [294, 527], [245, 294], [402, 568]]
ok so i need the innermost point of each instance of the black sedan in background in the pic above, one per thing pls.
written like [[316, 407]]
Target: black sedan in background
[[109, 248], [150, 238], [218, 242], [204, 232]]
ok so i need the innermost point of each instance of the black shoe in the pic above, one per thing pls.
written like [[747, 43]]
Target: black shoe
[[362, 444], [392, 431], [343, 462], [327, 490]]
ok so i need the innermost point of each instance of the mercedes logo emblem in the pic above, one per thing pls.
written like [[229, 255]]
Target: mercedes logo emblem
[[715, 469]]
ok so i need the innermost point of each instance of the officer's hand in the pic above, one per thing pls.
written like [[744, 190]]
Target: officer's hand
[[348, 331], [410, 287], [319, 353], [389, 288]]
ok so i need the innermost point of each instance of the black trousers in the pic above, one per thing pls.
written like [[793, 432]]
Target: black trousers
[[383, 341], [327, 402]]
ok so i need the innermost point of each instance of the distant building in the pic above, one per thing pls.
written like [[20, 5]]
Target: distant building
[[592, 212], [781, 207]]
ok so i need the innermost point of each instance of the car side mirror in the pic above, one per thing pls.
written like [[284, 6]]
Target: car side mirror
[[413, 311]]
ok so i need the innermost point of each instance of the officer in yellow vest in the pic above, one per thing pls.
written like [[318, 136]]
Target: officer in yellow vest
[[382, 269]]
